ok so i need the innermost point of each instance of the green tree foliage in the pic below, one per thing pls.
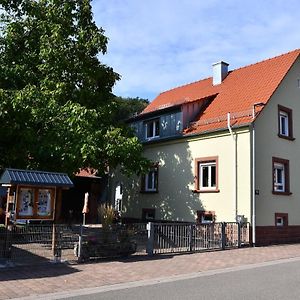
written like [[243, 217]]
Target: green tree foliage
[[126, 108], [57, 110]]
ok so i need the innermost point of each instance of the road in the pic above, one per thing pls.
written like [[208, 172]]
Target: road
[[273, 280]]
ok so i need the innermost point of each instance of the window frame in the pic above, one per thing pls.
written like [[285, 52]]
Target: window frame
[[288, 114], [199, 164], [145, 212], [154, 174], [285, 220], [276, 161], [201, 214], [155, 124]]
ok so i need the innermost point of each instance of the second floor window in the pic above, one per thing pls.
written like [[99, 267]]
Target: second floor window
[[152, 129]]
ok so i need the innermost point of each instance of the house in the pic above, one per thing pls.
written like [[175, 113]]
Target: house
[[224, 148]]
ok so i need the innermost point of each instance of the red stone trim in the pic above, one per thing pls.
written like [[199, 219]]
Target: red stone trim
[[285, 217], [268, 235], [289, 112], [196, 178], [286, 164]]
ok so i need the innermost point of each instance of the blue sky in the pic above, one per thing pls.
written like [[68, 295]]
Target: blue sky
[[156, 45]]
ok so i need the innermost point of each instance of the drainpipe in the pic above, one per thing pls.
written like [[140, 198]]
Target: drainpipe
[[258, 104], [253, 187], [234, 137]]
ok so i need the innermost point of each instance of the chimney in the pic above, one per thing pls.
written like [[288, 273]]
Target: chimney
[[220, 71]]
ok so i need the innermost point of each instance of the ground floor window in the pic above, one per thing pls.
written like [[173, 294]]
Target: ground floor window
[[205, 217], [206, 174], [150, 180], [148, 214], [281, 182], [281, 219]]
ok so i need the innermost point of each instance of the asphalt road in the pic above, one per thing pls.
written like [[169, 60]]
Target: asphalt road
[[277, 280]]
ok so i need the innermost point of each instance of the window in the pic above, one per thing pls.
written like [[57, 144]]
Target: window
[[206, 174], [152, 129], [281, 219], [148, 214], [205, 217], [150, 181], [281, 183], [285, 123]]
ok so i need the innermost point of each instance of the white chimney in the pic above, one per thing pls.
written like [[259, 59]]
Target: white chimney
[[220, 71]]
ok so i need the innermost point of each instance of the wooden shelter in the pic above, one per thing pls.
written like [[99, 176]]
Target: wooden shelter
[[33, 195]]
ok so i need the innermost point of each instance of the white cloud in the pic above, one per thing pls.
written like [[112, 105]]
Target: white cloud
[[159, 44]]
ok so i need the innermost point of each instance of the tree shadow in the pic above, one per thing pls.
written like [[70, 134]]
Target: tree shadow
[[176, 199], [45, 270]]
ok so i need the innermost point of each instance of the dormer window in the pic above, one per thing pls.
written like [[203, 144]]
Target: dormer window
[[152, 129]]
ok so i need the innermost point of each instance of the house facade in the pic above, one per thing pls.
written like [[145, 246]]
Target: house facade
[[224, 148]]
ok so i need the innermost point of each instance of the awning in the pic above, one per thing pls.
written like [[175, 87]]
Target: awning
[[37, 178]]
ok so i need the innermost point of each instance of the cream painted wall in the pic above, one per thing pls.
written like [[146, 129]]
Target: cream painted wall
[[176, 199], [268, 144]]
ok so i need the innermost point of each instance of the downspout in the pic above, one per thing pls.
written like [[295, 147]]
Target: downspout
[[253, 186], [258, 104], [234, 137]]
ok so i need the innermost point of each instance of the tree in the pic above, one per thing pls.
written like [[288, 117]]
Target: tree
[[56, 101], [126, 108]]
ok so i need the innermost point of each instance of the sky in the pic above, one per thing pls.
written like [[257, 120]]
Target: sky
[[156, 45]]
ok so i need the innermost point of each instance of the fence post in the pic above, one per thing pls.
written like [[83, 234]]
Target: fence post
[[239, 234], [191, 237], [223, 235], [150, 241], [79, 253]]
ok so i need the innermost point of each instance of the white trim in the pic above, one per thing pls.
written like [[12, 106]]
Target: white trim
[[209, 166], [284, 119], [279, 186]]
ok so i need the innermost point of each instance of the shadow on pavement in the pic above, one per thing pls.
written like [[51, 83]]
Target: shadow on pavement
[[38, 271]]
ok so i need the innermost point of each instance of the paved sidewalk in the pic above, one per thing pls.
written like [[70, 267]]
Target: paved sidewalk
[[28, 281]]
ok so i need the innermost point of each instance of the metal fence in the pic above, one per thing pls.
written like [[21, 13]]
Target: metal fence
[[176, 237], [33, 244]]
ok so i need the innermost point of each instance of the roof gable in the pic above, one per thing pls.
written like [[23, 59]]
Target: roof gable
[[237, 94]]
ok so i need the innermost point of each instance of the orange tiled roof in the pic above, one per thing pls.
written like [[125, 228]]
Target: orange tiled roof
[[237, 93]]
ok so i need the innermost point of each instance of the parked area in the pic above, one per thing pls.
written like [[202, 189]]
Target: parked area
[[34, 244]]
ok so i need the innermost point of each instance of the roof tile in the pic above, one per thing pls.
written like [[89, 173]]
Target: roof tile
[[237, 93]]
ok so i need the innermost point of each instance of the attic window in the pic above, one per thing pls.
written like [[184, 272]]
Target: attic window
[[152, 129], [285, 123]]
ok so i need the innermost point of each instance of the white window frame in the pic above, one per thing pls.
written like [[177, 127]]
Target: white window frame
[[152, 175], [280, 221], [284, 117], [155, 124], [203, 221], [209, 165], [279, 186]]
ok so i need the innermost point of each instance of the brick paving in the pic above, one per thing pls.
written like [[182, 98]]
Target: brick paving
[[27, 281]]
